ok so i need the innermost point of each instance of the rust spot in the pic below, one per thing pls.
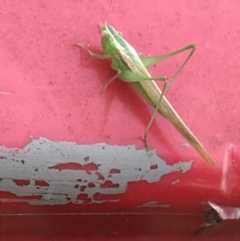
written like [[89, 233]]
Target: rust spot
[[79, 180], [109, 184], [2, 157], [41, 183], [22, 161], [76, 186]]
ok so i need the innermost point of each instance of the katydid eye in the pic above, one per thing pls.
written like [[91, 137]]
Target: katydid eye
[[104, 33]]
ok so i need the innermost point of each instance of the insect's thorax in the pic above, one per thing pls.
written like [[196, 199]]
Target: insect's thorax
[[122, 53], [109, 45]]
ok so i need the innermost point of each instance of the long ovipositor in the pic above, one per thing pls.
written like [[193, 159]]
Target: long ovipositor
[[152, 94]]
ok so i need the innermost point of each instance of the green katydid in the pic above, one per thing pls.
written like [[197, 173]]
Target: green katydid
[[131, 68]]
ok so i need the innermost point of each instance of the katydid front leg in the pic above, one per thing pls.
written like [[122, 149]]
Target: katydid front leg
[[94, 55], [99, 56], [124, 75]]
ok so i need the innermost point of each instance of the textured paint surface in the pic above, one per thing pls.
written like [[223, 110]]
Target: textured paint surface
[[64, 172]]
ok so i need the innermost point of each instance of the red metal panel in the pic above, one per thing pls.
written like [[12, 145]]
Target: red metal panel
[[50, 89]]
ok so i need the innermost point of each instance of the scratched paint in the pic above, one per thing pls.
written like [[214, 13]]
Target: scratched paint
[[153, 204], [49, 172], [175, 182]]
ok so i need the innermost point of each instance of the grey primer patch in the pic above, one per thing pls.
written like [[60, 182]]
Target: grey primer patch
[[49, 172], [153, 204]]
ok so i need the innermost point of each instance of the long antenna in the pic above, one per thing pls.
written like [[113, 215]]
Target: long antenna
[[110, 10]]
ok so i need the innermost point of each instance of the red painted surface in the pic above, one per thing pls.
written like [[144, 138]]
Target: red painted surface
[[52, 89], [114, 227]]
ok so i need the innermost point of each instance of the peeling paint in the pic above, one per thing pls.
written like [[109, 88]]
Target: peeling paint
[[65, 172], [212, 219], [226, 212]]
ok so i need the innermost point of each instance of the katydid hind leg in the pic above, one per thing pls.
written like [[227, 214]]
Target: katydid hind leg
[[181, 67], [167, 85], [149, 61], [145, 135], [131, 77]]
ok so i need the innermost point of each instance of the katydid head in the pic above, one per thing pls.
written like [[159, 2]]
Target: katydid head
[[108, 39], [109, 35]]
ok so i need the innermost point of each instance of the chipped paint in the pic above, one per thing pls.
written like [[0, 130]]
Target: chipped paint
[[52, 172], [212, 219], [153, 204], [185, 144], [226, 212], [175, 182]]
